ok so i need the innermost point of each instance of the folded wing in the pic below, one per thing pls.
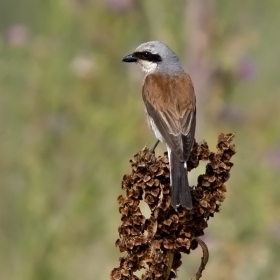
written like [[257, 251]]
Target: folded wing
[[170, 102]]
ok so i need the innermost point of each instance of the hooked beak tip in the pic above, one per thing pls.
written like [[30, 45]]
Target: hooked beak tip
[[129, 58]]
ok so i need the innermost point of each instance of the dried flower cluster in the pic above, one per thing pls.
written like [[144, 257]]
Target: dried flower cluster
[[155, 244]]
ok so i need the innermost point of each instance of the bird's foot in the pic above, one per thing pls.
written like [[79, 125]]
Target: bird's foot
[[154, 148]]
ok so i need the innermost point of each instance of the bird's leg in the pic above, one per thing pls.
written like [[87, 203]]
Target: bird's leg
[[154, 148]]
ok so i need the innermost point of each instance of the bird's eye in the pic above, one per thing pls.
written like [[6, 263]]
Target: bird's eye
[[146, 54]]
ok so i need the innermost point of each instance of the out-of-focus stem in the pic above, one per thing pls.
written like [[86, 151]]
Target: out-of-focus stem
[[200, 16]]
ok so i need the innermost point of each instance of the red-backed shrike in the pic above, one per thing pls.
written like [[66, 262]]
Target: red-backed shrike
[[169, 99]]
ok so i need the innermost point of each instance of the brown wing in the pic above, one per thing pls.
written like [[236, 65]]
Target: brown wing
[[170, 102]]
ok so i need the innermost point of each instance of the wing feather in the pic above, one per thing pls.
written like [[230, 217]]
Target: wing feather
[[170, 102]]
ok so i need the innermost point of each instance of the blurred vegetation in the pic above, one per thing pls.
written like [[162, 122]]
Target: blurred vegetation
[[71, 116]]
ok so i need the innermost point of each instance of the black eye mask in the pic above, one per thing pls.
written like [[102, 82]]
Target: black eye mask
[[147, 56]]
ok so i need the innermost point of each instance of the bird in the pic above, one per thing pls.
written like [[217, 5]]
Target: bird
[[170, 105]]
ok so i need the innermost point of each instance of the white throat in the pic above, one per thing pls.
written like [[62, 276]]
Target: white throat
[[147, 66]]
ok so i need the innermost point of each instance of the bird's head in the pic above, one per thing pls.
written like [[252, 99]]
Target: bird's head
[[154, 56]]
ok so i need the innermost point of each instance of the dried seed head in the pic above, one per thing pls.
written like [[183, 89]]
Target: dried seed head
[[156, 243]]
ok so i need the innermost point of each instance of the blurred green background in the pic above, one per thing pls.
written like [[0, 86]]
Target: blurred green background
[[71, 117]]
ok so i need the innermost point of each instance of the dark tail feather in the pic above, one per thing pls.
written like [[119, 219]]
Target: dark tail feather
[[180, 190]]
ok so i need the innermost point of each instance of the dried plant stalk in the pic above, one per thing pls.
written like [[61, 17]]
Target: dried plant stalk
[[155, 244]]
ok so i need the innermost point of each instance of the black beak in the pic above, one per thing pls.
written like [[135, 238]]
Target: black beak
[[129, 58]]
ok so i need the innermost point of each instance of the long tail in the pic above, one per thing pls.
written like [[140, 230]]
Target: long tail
[[180, 190]]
